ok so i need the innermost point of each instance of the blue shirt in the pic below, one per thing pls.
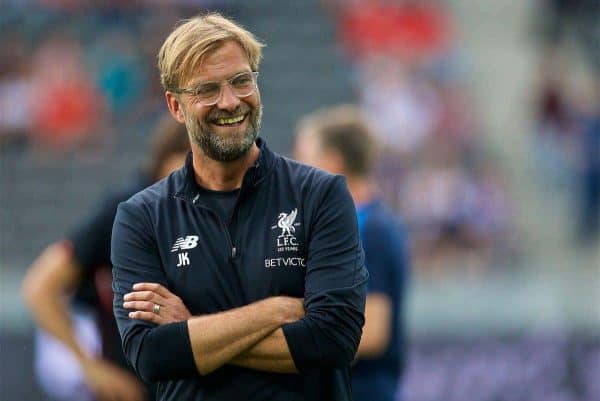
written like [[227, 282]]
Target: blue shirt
[[386, 258]]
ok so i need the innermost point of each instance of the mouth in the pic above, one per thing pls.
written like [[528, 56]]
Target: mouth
[[234, 121]]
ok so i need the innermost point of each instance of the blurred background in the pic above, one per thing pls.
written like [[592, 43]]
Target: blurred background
[[489, 116]]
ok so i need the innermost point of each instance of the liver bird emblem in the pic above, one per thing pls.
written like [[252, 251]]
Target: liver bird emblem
[[286, 223]]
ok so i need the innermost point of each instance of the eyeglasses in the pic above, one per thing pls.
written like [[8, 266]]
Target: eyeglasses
[[209, 93]]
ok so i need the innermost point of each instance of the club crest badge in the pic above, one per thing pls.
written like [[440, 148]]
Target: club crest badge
[[286, 240]]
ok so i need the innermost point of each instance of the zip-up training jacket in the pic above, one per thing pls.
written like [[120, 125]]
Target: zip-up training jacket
[[292, 231]]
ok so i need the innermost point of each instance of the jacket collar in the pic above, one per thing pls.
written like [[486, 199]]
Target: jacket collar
[[188, 188]]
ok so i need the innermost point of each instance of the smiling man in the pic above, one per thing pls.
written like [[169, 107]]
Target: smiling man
[[240, 276]]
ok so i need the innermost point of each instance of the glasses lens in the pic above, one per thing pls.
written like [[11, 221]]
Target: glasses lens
[[207, 92], [243, 84]]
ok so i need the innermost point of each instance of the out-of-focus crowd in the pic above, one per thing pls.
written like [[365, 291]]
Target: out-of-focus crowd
[[404, 58], [405, 62], [73, 74], [76, 73]]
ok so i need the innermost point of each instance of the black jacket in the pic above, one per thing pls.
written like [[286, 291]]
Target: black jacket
[[293, 231]]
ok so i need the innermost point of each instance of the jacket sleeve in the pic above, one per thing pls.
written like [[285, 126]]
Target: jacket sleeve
[[335, 286], [155, 352]]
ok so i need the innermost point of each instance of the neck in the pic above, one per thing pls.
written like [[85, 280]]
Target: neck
[[361, 189], [222, 176]]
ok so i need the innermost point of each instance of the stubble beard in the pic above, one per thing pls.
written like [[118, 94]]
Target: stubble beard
[[221, 148]]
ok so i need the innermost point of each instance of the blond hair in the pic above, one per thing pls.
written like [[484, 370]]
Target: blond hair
[[193, 39]]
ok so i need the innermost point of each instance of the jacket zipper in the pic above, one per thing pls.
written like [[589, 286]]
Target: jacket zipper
[[224, 226], [234, 214]]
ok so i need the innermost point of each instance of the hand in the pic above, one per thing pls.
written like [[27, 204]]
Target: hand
[[112, 383], [143, 298]]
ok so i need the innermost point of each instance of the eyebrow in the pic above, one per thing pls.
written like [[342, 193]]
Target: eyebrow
[[201, 82]]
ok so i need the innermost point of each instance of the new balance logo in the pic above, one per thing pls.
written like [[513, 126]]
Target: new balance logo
[[182, 243]]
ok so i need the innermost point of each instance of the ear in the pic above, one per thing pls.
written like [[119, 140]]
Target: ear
[[175, 106]]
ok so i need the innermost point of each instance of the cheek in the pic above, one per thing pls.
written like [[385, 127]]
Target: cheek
[[253, 100], [197, 114]]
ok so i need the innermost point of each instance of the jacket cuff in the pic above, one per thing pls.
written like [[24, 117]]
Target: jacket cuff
[[167, 354], [302, 346]]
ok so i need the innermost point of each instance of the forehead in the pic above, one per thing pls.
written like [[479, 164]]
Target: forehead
[[223, 62]]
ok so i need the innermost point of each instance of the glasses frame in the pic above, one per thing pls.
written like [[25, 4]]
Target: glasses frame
[[193, 91]]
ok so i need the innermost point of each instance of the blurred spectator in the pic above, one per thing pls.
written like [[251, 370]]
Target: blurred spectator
[[408, 29], [456, 211], [119, 72], [78, 349], [394, 48], [589, 218], [567, 140], [15, 90], [339, 141], [556, 129], [404, 108], [67, 107]]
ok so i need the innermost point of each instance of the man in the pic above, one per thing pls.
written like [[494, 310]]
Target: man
[[263, 251], [78, 350], [339, 140]]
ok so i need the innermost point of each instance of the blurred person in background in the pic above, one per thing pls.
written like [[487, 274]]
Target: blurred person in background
[[589, 217], [568, 106], [15, 90], [78, 348], [339, 140], [457, 211]]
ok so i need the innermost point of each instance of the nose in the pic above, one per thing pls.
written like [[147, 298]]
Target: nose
[[228, 101]]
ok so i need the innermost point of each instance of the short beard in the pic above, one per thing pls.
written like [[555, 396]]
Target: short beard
[[217, 147]]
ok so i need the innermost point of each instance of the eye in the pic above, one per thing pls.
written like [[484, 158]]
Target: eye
[[242, 80], [207, 89]]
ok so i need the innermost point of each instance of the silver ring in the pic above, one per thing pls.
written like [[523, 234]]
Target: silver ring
[[156, 309]]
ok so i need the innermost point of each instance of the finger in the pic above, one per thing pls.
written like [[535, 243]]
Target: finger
[[154, 287], [144, 296], [147, 316], [150, 317], [143, 306], [139, 305]]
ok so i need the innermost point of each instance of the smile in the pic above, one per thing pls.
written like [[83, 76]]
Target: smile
[[229, 121]]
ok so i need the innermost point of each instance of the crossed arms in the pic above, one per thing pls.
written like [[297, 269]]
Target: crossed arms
[[250, 336]]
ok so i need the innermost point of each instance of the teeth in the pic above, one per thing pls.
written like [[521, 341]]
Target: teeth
[[231, 120]]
